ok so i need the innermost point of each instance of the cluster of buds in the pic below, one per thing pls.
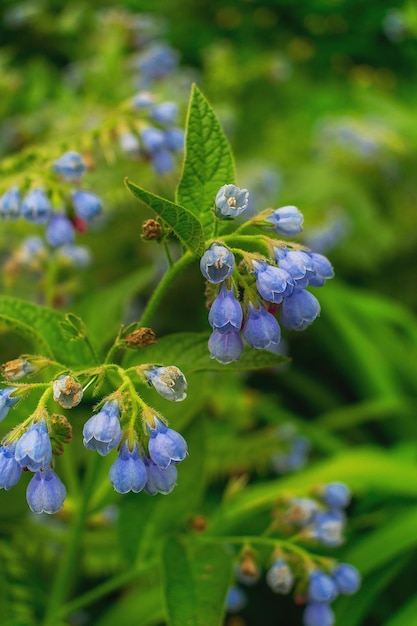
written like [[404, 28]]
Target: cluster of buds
[[268, 283], [148, 450]]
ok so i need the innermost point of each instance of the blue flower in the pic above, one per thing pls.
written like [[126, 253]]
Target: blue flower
[[316, 614], [273, 283], [287, 221], [299, 310], [236, 599], [347, 578], [86, 205], [279, 577], [103, 432], [10, 203], [79, 256], [36, 207], [70, 166], [169, 382], [128, 472], [298, 264], [336, 495], [321, 587], [226, 312], [60, 231], [328, 528], [165, 445], [231, 201], [261, 329], [225, 347], [153, 139], [45, 492], [10, 470], [144, 100], [165, 113], [160, 480], [6, 401], [174, 139], [323, 269], [33, 449], [217, 264], [302, 511], [158, 61], [162, 161], [67, 392]]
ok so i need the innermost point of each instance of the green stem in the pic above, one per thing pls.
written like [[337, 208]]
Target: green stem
[[65, 572], [168, 254], [163, 287], [268, 541]]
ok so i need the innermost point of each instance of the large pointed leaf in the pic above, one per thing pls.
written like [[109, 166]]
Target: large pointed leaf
[[208, 161], [182, 222]]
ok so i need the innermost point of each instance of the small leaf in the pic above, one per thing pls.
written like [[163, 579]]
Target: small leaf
[[196, 581], [208, 163], [182, 222], [73, 327]]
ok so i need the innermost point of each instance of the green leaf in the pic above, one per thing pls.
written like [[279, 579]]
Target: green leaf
[[196, 581], [406, 615], [189, 352], [183, 223], [208, 161], [102, 311], [46, 329]]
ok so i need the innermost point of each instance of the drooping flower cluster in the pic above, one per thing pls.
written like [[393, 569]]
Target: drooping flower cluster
[[279, 279], [316, 581], [148, 450]]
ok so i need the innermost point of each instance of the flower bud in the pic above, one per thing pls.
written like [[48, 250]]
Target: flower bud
[[140, 338], [151, 229], [67, 392], [17, 368]]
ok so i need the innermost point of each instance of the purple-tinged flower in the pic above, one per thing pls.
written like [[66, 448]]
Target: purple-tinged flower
[[225, 347], [162, 161], [273, 283], [128, 472], [328, 528], [231, 201], [169, 382], [279, 577], [36, 207], [33, 449], [226, 311], [298, 264], [165, 445], [103, 432], [10, 204], [160, 480], [46, 492], [235, 600], [153, 139], [336, 495], [317, 614], [323, 269], [174, 139], [67, 392], [10, 470], [347, 578], [299, 310], [60, 231], [86, 205], [70, 166], [6, 401], [217, 264], [321, 587], [287, 221], [261, 329], [165, 113]]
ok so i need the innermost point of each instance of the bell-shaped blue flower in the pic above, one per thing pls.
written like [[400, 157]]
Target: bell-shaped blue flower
[[279, 577], [46, 492], [298, 264], [86, 205], [286, 221], [169, 382], [6, 401], [323, 269], [162, 161], [10, 204], [299, 310], [165, 113], [33, 449], [318, 614], [60, 231], [70, 166], [321, 587], [166, 445], [10, 470], [217, 264], [226, 312], [336, 495], [103, 432], [261, 329], [128, 472], [273, 283], [347, 578], [160, 480], [225, 347], [174, 139], [231, 201], [36, 207], [236, 599], [153, 139]]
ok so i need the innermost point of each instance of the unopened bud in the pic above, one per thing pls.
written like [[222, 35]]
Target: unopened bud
[[140, 338], [17, 368], [60, 433], [151, 229]]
